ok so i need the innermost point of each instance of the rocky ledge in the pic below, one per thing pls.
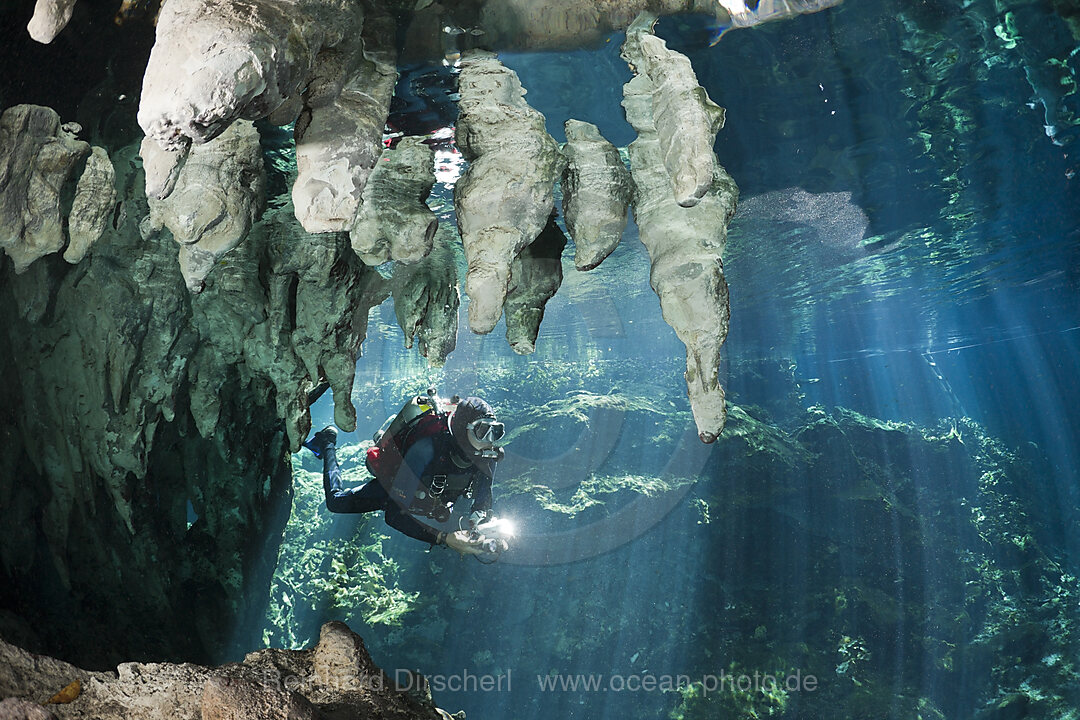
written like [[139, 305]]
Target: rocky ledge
[[335, 679]]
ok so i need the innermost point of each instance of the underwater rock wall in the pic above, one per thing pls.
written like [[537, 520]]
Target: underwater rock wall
[[148, 430], [335, 678]]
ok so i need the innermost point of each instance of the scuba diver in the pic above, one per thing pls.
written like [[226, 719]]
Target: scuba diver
[[424, 459]]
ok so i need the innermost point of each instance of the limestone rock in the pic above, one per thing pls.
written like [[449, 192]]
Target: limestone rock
[[393, 221], [505, 196], [339, 134], [15, 709], [37, 157], [686, 120], [162, 167], [685, 246], [426, 298], [572, 24], [220, 193], [215, 61], [536, 275], [596, 194], [339, 673], [340, 655], [561, 24], [50, 17], [337, 678], [95, 200], [230, 698]]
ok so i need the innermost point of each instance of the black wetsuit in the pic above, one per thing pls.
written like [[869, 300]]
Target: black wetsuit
[[429, 460]]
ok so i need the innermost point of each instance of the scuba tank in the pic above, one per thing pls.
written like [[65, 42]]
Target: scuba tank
[[421, 416]]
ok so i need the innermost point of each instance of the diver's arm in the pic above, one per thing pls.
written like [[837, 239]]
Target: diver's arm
[[408, 524], [481, 489]]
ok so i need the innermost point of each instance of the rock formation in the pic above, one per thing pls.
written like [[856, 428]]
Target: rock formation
[[685, 244], [234, 61], [162, 168], [148, 430], [93, 206], [394, 222], [336, 678], [339, 133], [426, 298], [596, 194], [686, 120], [535, 277], [315, 304], [217, 195], [50, 17], [37, 158], [505, 197]]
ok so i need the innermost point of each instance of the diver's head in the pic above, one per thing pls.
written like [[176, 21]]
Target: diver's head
[[475, 428]]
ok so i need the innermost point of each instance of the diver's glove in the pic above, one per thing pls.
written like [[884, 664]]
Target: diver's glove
[[327, 437]]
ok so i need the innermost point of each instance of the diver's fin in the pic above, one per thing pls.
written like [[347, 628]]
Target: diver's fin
[[327, 437], [315, 447]]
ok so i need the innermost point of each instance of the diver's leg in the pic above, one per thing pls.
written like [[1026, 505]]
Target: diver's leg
[[365, 498], [331, 471]]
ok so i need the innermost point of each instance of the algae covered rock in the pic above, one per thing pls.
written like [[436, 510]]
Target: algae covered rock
[[161, 426]]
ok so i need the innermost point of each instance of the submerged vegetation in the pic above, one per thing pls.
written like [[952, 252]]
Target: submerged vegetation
[[330, 568], [892, 563]]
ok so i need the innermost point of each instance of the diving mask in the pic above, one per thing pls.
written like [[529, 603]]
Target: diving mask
[[484, 432]]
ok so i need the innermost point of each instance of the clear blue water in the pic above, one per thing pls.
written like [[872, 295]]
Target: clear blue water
[[935, 278]]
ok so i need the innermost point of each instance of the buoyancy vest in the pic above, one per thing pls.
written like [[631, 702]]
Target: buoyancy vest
[[421, 417]]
